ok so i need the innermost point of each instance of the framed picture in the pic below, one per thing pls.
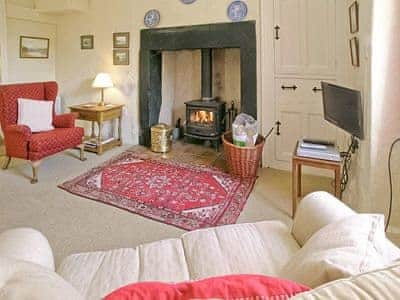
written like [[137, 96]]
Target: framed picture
[[355, 52], [33, 47], [87, 42], [121, 40], [354, 17], [121, 57]]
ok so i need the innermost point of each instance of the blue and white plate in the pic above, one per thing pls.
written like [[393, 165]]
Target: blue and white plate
[[237, 11], [152, 18], [188, 1]]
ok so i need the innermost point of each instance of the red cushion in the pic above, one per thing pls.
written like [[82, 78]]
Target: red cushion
[[46, 143], [225, 287]]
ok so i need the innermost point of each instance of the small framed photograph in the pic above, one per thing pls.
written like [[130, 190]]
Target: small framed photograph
[[121, 57], [87, 42], [121, 40], [354, 17], [33, 47], [355, 52]]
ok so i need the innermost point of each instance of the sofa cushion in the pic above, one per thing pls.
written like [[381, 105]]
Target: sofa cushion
[[348, 247], [257, 248], [46, 143], [226, 287], [95, 274], [167, 257], [378, 284], [21, 280], [36, 114], [260, 248]]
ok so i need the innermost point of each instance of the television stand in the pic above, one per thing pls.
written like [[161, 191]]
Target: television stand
[[299, 161]]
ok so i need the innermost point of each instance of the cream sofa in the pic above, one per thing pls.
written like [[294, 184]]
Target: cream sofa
[[27, 264]]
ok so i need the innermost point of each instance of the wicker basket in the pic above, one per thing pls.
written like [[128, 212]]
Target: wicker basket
[[243, 161]]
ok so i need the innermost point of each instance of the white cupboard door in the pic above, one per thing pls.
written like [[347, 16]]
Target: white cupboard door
[[289, 37], [300, 113], [320, 37], [305, 37]]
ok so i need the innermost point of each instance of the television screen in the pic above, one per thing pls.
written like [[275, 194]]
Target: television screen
[[343, 108]]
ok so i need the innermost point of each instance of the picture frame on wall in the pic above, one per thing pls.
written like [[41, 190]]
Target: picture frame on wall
[[121, 57], [34, 47], [87, 42], [355, 52], [354, 17], [121, 40]]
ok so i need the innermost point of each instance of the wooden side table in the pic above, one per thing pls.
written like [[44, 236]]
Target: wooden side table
[[99, 114], [299, 161]]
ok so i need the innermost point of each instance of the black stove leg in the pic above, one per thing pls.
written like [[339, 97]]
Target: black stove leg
[[216, 145]]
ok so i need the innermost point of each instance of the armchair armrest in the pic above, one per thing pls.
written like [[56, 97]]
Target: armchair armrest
[[27, 244], [20, 132], [64, 120]]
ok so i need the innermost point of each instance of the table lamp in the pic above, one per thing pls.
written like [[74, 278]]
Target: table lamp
[[102, 81]]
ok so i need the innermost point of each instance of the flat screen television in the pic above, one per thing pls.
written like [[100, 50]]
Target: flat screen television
[[343, 108]]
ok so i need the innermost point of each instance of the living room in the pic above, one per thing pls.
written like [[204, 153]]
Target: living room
[[147, 60]]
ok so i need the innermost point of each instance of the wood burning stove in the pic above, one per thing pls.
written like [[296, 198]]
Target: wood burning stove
[[205, 118]]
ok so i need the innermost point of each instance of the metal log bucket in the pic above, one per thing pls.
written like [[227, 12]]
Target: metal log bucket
[[161, 138]]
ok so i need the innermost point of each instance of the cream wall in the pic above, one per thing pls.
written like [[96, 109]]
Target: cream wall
[[26, 70], [3, 42], [76, 68], [357, 193], [385, 108], [23, 20]]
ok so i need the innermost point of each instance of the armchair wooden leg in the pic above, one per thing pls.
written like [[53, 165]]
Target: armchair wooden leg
[[82, 152], [7, 162], [35, 166]]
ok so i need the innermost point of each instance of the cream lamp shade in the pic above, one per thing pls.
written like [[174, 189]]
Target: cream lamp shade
[[102, 80]]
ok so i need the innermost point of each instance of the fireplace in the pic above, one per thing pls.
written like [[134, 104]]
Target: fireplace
[[154, 42], [205, 119]]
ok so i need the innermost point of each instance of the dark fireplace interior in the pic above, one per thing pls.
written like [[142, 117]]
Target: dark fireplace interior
[[203, 95], [205, 118]]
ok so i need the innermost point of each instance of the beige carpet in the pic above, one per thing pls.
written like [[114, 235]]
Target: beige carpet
[[73, 224]]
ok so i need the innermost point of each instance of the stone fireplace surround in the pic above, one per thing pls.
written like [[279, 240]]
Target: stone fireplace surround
[[240, 35]]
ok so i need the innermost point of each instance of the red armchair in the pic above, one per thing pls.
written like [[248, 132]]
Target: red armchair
[[20, 142]]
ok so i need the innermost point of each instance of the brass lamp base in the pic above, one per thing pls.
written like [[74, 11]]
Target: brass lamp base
[[102, 102]]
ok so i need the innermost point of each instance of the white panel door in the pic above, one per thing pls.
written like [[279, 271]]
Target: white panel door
[[305, 40], [299, 110], [289, 37], [320, 36]]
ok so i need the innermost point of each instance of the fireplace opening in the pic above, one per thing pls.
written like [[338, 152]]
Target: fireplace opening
[[210, 76]]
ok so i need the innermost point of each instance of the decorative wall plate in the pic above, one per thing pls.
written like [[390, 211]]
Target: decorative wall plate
[[237, 10], [152, 18], [188, 1]]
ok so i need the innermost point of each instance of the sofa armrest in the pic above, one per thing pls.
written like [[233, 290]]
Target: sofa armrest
[[316, 211], [27, 244], [64, 120]]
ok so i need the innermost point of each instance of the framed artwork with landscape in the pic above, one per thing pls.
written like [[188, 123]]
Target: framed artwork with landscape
[[87, 42], [354, 17], [121, 40], [355, 52], [34, 47], [121, 57]]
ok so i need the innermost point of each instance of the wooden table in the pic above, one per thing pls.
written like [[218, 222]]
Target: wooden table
[[99, 114], [299, 161]]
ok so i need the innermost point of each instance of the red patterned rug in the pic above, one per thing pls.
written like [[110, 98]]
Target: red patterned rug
[[184, 195]]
